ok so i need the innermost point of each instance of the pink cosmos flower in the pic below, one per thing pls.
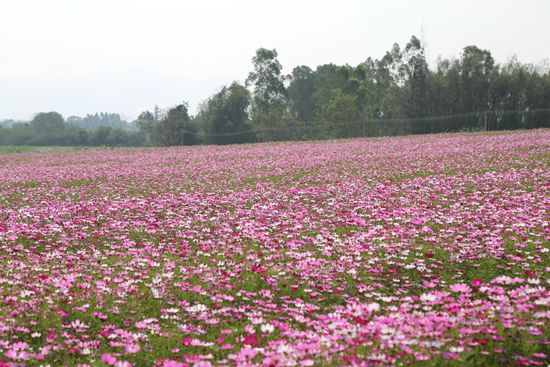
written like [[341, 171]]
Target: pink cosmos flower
[[170, 363], [17, 354], [250, 339], [108, 358], [132, 348], [460, 288], [477, 282]]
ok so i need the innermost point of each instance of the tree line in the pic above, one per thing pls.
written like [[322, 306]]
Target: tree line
[[50, 128], [396, 94]]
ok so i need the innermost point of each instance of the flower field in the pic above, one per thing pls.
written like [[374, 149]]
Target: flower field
[[423, 250]]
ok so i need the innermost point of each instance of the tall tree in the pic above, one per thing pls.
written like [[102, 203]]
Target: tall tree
[[145, 122], [176, 128], [416, 66], [476, 67], [300, 93], [49, 128], [338, 99], [269, 92], [48, 122], [224, 117], [390, 78]]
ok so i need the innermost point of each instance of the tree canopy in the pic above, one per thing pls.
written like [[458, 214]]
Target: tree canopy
[[397, 94]]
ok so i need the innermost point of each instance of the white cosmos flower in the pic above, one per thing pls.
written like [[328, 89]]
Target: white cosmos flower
[[267, 328]]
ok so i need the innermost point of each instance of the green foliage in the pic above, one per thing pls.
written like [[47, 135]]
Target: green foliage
[[176, 128], [224, 117], [269, 95], [49, 129], [102, 119], [145, 122], [300, 94], [396, 94], [417, 85]]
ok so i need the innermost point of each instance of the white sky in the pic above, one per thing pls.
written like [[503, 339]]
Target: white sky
[[85, 56]]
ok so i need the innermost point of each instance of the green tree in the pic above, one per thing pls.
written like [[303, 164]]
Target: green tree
[[300, 94], [416, 88], [176, 128], [390, 79], [145, 122], [100, 135], [417, 85], [224, 117], [341, 115], [269, 93], [476, 67], [49, 128], [48, 122]]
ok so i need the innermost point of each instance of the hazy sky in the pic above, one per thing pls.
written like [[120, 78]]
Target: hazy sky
[[85, 56]]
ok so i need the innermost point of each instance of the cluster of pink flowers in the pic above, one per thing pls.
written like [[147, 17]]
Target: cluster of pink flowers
[[360, 252]]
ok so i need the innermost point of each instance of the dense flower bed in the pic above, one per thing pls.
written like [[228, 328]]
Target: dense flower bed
[[425, 250]]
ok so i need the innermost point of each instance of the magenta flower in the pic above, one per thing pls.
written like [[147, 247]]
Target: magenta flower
[[356, 252], [108, 358]]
